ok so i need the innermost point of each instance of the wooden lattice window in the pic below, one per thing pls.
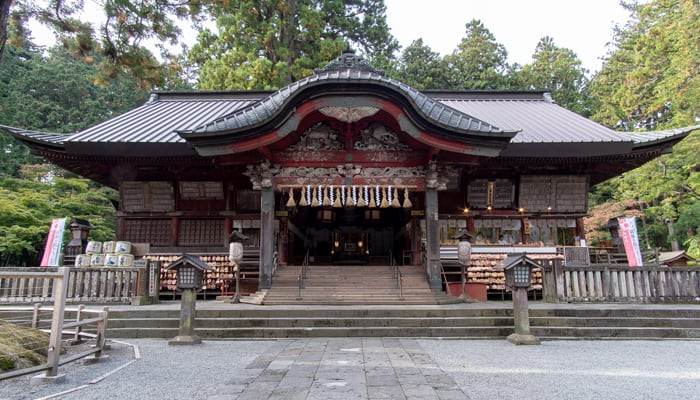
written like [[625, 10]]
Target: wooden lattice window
[[153, 231], [201, 232]]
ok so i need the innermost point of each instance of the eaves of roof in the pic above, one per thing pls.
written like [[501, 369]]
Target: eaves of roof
[[271, 111], [49, 140]]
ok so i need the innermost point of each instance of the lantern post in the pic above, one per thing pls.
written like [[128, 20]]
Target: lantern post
[[190, 271], [518, 271], [464, 256], [235, 256]]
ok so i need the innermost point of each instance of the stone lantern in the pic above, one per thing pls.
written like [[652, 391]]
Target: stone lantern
[[464, 256], [79, 231], [235, 256], [190, 272], [518, 271]]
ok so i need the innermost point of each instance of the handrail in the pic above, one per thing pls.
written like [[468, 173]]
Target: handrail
[[396, 273], [444, 277], [304, 272]]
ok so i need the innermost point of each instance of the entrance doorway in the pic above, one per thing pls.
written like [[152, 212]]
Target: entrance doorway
[[349, 235]]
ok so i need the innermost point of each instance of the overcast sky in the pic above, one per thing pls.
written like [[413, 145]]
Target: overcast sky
[[582, 26]]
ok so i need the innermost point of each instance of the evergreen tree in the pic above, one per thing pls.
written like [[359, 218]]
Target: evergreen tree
[[559, 70], [479, 61], [269, 44], [422, 68]]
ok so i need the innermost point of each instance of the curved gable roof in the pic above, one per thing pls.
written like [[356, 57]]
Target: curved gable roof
[[346, 75]]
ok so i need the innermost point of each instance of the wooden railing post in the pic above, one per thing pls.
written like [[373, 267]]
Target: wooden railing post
[[559, 280], [59, 305]]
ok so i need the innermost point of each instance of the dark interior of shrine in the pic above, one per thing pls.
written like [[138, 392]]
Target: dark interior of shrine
[[348, 235]]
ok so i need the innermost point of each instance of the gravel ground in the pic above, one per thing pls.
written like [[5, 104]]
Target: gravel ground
[[599, 369], [488, 369]]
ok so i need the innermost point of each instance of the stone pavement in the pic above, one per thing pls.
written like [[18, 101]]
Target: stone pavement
[[345, 368], [379, 368]]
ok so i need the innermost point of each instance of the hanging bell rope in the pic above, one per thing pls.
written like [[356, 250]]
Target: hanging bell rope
[[395, 201], [337, 203], [305, 194], [326, 199], [385, 201], [314, 201], [406, 200], [291, 202]]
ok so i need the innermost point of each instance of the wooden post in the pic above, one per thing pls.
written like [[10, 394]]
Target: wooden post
[[59, 305], [267, 250], [433, 239], [559, 279]]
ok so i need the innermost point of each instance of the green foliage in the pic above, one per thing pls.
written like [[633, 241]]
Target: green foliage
[[269, 44], [58, 93], [119, 41], [422, 68], [479, 61], [558, 70], [652, 79], [28, 206]]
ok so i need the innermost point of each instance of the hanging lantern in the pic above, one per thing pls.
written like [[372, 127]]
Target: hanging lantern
[[406, 201], [291, 202], [337, 203], [363, 198], [395, 201]]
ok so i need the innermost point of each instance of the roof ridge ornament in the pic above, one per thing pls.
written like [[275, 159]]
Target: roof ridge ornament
[[348, 60]]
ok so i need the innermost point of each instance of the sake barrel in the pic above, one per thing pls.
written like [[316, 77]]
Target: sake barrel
[[93, 247], [123, 247], [97, 260], [82, 260], [108, 247], [125, 260], [111, 260]]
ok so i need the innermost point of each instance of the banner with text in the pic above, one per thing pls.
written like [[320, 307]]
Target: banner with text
[[54, 242], [630, 239]]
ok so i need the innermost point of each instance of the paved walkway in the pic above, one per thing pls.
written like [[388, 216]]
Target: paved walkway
[[379, 368]]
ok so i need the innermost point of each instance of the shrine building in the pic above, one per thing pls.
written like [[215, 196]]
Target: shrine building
[[348, 167]]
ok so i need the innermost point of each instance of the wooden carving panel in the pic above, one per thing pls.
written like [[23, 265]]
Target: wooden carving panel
[[571, 193], [153, 231], [535, 193], [133, 196], [503, 193], [201, 232], [147, 196], [563, 193], [201, 190], [477, 193]]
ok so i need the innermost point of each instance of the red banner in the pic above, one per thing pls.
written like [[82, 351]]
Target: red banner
[[630, 239], [54, 244]]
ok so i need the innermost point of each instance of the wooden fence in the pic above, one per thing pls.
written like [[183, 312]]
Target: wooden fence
[[620, 283], [84, 284], [57, 281]]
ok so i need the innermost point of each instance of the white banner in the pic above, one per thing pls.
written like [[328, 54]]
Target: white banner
[[54, 244], [628, 233]]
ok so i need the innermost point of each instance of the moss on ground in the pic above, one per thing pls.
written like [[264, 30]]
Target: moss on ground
[[21, 347]]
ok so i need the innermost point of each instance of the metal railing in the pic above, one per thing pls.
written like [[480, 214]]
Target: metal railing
[[304, 272], [59, 286], [397, 275]]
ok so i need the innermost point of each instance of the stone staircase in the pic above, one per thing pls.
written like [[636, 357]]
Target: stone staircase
[[353, 284], [491, 320]]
